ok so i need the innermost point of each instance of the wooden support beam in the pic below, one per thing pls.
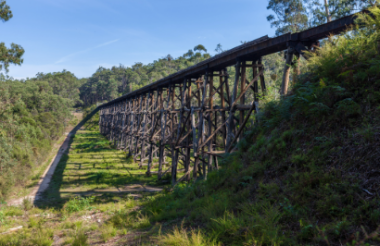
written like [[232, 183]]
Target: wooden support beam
[[145, 122], [241, 128], [285, 78], [173, 149], [161, 146], [210, 125], [232, 111], [262, 77]]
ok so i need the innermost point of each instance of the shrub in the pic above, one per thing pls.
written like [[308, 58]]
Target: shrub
[[79, 204], [107, 231], [183, 237]]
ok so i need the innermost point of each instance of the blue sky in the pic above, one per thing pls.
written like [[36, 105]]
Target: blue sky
[[81, 35]]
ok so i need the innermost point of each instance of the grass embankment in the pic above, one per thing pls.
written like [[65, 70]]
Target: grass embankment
[[92, 183], [308, 173]]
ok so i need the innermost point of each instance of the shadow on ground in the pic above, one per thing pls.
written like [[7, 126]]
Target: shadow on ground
[[44, 194], [107, 178]]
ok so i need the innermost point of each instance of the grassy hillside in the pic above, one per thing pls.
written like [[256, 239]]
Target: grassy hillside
[[32, 118], [308, 173]]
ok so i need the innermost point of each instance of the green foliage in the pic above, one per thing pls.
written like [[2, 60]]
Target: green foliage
[[200, 47], [182, 237], [290, 16], [64, 84], [106, 84], [15, 53], [335, 9], [80, 238], [31, 118], [27, 204], [5, 11], [107, 231], [2, 218], [11, 55], [297, 15], [79, 204]]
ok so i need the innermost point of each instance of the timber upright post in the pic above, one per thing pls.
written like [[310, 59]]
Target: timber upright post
[[117, 124], [224, 84], [161, 142], [262, 77], [112, 122], [154, 119], [242, 87], [172, 143], [100, 120], [145, 123], [255, 85], [202, 117], [127, 124], [285, 78], [201, 123], [123, 125], [122, 121], [188, 124], [107, 121], [136, 133], [210, 119], [232, 106], [130, 137]]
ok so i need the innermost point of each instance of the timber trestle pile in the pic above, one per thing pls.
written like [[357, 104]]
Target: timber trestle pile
[[183, 123]]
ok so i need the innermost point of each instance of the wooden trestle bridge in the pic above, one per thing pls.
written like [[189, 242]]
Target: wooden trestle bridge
[[195, 115]]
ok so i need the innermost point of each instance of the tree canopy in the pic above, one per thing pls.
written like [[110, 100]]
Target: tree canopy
[[297, 15], [107, 84], [31, 118], [14, 54]]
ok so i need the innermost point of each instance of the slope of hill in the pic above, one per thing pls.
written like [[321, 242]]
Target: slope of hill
[[32, 118], [308, 173]]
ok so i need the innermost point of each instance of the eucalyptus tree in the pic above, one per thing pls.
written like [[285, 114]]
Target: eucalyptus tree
[[219, 48], [289, 15], [329, 10], [64, 84], [297, 15], [14, 54]]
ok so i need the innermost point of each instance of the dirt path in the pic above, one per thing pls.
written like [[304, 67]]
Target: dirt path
[[45, 179]]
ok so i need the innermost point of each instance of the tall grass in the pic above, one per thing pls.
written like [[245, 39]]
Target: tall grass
[[182, 237]]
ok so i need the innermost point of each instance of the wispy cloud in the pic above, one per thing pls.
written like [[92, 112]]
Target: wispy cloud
[[107, 43], [73, 5], [67, 58]]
